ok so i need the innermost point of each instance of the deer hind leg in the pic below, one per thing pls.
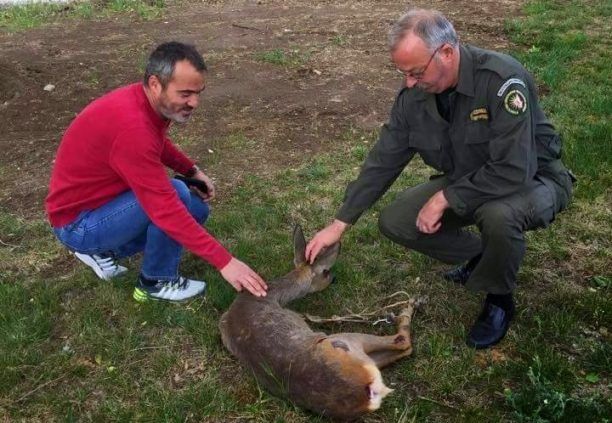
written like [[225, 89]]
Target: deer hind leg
[[362, 342], [383, 350], [384, 358], [373, 343]]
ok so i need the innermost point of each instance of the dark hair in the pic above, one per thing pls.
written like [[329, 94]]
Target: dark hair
[[163, 59]]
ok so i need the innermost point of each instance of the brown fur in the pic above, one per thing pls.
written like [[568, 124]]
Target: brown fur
[[335, 375]]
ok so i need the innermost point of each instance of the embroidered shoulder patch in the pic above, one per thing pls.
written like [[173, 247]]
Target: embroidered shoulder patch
[[515, 102], [509, 82], [479, 114]]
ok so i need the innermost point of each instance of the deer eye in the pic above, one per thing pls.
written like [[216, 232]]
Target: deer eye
[[326, 272]]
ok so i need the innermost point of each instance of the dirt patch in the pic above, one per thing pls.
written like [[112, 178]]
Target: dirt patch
[[342, 79]]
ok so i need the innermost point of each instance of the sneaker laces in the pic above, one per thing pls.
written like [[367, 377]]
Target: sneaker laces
[[179, 283], [105, 263]]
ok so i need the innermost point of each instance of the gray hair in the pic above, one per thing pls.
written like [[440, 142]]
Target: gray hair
[[429, 25], [163, 59]]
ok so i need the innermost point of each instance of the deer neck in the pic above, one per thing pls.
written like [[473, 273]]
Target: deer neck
[[292, 286]]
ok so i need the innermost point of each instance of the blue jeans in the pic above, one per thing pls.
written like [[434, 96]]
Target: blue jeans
[[121, 227]]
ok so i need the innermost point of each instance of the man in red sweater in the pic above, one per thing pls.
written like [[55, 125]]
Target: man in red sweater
[[110, 196]]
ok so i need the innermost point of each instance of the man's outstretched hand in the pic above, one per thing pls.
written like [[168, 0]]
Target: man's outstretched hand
[[239, 275]]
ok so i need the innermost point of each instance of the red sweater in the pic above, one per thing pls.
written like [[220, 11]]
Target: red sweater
[[119, 143]]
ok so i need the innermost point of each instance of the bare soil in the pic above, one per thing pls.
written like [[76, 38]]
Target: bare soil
[[343, 79]]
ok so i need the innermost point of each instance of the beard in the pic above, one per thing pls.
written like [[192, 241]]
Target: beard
[[428, 88], [181, 115]]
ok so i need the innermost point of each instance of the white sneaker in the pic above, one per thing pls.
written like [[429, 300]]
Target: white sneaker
[[104, 266], [177, 290]]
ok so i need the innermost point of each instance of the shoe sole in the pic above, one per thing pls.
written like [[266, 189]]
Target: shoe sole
[[483, 347], [472, 344], [84, 258], [142, 296], [92, 264], [456, 281]]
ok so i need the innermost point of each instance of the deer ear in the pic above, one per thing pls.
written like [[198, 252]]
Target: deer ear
[[327, 258], [299, 246]]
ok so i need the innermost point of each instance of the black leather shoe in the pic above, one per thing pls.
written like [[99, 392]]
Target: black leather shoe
[[458, 275], [490, 327], [462, 273]]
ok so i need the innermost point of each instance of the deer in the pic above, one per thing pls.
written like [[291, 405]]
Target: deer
[[336, 375]]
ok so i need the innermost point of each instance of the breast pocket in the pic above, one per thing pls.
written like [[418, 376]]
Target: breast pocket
[[477, 133], [476, 140]]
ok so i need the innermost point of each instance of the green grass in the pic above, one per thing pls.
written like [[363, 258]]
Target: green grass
[[282, 57], [339, 40], [21, 17], [567, 46], [539, 400], [73, 348]]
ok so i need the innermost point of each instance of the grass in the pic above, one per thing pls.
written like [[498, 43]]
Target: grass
[[284, 57], [567, 46], [339, 40], [73, 348], [17, 18]]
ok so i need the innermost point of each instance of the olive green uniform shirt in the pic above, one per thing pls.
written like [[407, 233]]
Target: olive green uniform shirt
[[497, 139]]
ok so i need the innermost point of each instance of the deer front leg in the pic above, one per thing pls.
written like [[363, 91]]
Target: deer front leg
[[404, 320], [383, 358]]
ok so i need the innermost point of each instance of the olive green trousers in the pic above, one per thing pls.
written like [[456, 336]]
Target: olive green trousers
[[501, 223]]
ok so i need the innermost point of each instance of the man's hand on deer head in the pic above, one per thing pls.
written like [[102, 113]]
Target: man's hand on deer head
[[324, 238]]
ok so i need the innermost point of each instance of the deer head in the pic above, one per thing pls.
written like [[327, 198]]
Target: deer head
[[319, 271], [306, 277]]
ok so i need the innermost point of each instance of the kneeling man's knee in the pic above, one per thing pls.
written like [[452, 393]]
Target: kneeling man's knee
[[497, 219], [198, 208], [182, 190], [395, 227]]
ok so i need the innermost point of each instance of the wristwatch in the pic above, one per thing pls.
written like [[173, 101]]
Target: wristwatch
[[195, 169]]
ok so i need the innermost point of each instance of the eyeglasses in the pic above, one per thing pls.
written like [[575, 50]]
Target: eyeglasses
[[419, 75]]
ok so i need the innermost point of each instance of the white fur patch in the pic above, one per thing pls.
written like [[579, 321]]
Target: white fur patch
[[377, 389]]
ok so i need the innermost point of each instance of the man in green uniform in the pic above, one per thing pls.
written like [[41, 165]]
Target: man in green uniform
[[473, 115]]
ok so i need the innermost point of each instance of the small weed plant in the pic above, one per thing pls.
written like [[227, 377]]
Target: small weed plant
[[538, 401], [281, 57]]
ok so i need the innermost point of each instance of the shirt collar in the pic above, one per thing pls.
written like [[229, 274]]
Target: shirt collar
[[465, 85]]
